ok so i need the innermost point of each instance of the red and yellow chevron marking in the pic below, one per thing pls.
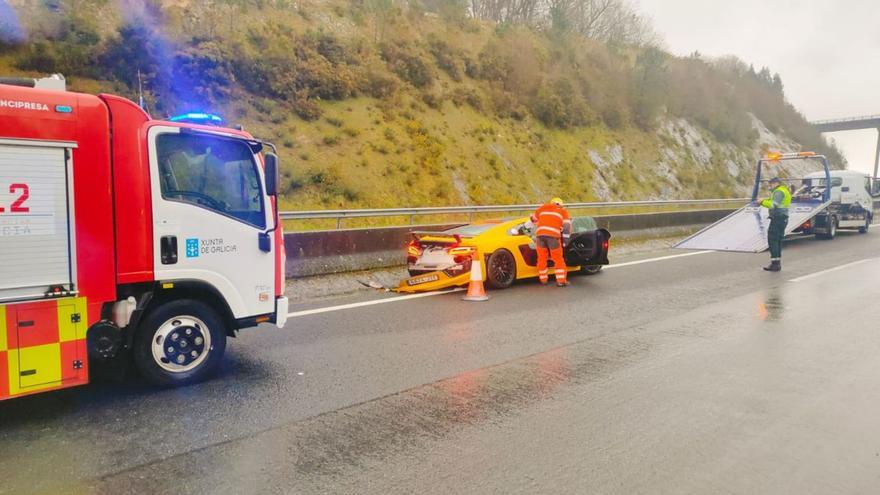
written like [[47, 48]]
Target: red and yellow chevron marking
[[43, 346]]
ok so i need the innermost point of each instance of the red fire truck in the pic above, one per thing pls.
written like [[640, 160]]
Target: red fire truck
[[124, 237]]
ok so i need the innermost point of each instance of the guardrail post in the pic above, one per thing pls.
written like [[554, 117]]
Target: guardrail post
[[338, 223], [411, 219]]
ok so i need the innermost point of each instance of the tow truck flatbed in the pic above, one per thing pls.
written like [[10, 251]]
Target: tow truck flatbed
[[745, 230]]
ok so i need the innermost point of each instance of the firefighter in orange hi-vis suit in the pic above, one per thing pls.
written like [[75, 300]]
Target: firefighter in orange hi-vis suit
[[552, 233]]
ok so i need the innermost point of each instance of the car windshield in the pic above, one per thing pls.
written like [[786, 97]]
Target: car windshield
[[579, 225], [583, 224]]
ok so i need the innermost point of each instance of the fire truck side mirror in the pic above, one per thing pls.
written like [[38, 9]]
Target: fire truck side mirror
[[272, 174]]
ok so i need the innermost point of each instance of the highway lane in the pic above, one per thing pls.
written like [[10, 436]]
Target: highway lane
[[357, 399]]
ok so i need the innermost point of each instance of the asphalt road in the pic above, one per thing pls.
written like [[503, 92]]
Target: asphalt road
[[690, 374]]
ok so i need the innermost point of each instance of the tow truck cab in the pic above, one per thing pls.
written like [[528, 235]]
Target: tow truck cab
[[124, 237]]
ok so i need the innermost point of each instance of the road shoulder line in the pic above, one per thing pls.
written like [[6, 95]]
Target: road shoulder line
[[829, 270], [328, 309], [361, 304], [651, 260]]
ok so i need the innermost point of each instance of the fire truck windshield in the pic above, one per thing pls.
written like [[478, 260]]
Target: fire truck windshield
[[211, 172]]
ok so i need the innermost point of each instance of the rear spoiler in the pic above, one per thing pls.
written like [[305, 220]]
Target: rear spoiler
[[418, 234], [436, 233]]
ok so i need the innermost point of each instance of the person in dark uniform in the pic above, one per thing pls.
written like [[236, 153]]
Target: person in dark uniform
[[777, 203]]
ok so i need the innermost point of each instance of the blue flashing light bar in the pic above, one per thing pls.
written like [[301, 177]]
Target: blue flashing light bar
[[198, 118]]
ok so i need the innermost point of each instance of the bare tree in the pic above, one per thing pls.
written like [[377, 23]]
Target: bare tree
[[611, 21], [507, 11]]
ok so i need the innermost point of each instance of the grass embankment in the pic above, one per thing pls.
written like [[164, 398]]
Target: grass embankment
[[380, 104]]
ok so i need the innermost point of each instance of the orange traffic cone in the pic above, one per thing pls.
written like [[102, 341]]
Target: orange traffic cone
[[476, 291]]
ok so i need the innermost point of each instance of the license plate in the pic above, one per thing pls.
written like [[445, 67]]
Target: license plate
[[423, 280]]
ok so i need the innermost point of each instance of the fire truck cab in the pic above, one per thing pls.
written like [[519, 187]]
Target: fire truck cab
[[124, 237]]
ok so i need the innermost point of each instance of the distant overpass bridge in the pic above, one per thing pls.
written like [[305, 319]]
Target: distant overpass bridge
[[853, 124]]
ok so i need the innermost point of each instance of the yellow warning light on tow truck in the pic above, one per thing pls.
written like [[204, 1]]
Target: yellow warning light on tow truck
[[774, 156]]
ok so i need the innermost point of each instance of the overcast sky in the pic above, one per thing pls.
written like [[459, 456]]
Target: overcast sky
[[827, 52]]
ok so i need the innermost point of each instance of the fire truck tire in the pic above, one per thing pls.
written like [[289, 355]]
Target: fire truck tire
[[179, 343]]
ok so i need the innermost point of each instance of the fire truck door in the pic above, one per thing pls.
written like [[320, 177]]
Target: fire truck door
[[210, 210]]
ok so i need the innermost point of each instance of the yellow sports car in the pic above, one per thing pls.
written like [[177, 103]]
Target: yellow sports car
[[438, 260]]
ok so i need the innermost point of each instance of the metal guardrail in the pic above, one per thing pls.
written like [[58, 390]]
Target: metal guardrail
[[339, 215]]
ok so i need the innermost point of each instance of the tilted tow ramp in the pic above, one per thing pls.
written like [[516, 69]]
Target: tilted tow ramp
[[745, 230]]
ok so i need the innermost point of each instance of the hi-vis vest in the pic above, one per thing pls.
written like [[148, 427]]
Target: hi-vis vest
[[552, 220], [786, 198]]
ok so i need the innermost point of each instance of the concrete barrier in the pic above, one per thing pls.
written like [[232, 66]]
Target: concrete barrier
[[335, 251]]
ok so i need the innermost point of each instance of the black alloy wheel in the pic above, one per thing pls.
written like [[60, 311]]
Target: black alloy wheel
[[591, 269], [501, 269]]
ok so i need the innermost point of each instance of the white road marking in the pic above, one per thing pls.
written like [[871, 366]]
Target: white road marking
[[328, 309], [823, 272], [651, 260]]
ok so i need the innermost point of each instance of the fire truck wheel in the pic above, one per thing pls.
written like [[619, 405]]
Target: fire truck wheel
[[179, 343]]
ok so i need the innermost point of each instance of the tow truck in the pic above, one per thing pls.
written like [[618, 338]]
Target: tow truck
[[815, 209], [125, 238], [852, 204]]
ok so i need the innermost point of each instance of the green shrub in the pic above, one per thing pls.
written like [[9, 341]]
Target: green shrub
[[378, 83], [448, 58], [557, 104], [409, 64], [505, 104], [380, 148], [307, 109], [461, 96], [350, 195], [432, 99], [493, 64], [294, 184]]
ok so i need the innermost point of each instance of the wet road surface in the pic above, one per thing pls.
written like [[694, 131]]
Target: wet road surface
[[695, 374]]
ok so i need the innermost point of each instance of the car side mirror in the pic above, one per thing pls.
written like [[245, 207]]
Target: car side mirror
[[272, 174]]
